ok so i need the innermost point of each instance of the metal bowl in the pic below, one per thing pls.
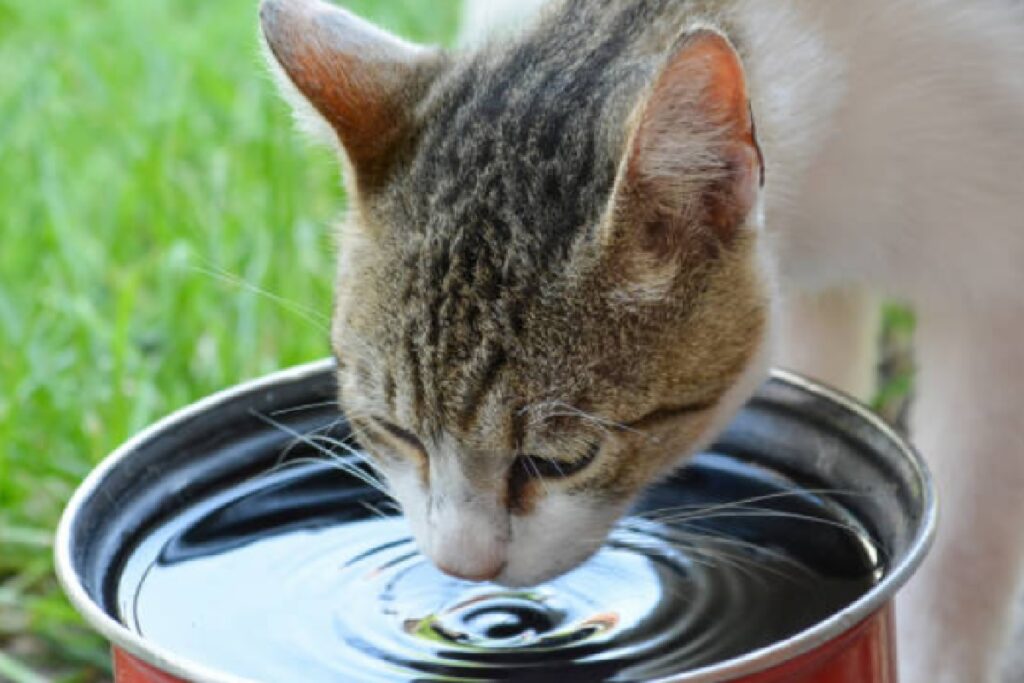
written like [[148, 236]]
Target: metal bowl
[[792, 425]]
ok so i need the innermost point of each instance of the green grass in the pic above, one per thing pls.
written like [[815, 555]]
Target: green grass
[[147, 167]]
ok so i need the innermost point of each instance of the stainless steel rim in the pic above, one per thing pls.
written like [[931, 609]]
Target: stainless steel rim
[[752, 663]]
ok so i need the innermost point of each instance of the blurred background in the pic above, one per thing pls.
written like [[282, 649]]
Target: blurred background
[[164, 233]]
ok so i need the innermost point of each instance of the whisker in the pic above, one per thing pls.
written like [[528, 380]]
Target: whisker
[[357, 451], [291, 462], [391, 504], [541, 412], [348, 468], [700, 556], [661, 513], [375, 475], [537, 476], [333, 463], [744, 564], [307, 406], [706, 547], [285, 452], [361, 435], [312, 316], [778, 514], [558, 468], [717, 537], [375, 510], [707, 551], [753, 550], [331, 441]]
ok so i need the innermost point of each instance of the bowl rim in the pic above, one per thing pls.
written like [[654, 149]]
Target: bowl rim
[[757, 661]]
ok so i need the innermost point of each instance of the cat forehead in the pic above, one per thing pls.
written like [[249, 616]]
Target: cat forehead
[[523, 134], [478, 168]]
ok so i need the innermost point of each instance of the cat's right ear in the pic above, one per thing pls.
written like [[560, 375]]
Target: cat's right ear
[[343, 71]]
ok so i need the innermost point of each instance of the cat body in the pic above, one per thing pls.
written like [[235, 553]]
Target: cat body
[[575, 249]]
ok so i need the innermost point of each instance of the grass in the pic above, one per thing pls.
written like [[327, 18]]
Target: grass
[[148, 169], [151, 183]]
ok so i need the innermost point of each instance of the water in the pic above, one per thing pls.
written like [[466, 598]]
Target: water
[[295, 576]]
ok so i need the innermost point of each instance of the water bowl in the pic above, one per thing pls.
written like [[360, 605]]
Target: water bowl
[[222, 545]]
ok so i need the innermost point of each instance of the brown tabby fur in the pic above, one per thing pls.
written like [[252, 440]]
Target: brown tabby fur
[[477, 291]]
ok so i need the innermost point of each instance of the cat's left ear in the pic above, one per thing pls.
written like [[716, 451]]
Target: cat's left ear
[[360, 80], [693, 168]]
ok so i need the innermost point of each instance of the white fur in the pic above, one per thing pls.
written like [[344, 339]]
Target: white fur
[[911, 187], [847, 322], [307, 119], [957, 614], [482, 19], [894, 137], [559, 534]]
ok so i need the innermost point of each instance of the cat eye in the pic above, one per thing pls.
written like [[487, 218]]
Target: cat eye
[[549, 468]]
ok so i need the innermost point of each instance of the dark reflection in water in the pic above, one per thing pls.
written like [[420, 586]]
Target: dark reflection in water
[[294, 578]]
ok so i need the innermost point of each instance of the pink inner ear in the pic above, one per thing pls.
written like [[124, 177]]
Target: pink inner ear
[[695, 146], [709, 60], [351, 72], [727, 92]]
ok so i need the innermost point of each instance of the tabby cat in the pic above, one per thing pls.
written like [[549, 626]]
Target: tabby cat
[[575, 248]]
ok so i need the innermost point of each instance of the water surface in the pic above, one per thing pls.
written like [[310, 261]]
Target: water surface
[[296, 576]]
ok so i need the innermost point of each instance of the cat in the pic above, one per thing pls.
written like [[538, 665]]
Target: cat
[[575, 248]]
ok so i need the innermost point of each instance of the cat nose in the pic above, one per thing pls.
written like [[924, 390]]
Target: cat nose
[[476, 574], [467, 547]]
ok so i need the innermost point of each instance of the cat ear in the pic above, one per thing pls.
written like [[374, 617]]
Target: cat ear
[[360, 79], [692, 168]]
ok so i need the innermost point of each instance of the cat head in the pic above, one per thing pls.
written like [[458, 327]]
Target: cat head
[[549, 291]]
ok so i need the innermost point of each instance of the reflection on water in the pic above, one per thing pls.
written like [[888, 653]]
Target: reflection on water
[[294, 578]]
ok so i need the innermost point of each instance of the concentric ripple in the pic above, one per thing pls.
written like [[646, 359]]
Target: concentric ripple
[[257, 584]]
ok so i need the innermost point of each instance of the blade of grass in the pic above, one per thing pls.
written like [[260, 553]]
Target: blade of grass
[[14, 671]]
